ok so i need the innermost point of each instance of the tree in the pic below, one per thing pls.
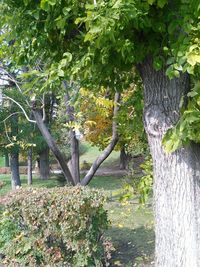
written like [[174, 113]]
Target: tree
[[96, 108], [10, 139], [99, 43], [155, 36]]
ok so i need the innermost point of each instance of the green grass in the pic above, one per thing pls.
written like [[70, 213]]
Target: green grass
[[6, 179], [132, 226], [91, 153]]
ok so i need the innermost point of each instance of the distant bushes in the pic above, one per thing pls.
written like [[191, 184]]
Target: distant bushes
[[54, 227]]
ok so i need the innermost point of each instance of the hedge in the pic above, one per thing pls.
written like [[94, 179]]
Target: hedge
[[54, 227]]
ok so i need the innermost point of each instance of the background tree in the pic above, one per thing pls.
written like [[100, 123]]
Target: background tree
[[11, 137], [97, 113]]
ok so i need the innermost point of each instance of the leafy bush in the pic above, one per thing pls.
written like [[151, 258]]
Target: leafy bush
[[1, 184], [54, 227]]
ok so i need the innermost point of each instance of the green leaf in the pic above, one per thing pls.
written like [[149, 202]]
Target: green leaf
[[161, 3], [150, 2], [157, 63], [68, 56], [172, 27], [44, 5], [60, 22], [66, 10], [193, 59], [52, 2], [192, 94], [61, 73], [171, 141]]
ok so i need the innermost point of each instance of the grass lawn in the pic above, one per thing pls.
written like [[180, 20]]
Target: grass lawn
[[91, 152], [132, 226], [5, 178]]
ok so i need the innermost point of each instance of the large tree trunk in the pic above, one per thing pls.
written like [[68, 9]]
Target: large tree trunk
[[175, 180], [44, 168], [74, 143], [14, 166], [30, 165], [53, 146]]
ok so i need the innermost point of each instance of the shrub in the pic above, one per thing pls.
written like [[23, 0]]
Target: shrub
[[2, 184], [55, 227]]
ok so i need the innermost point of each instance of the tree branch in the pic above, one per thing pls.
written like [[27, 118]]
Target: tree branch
[[20, 106], [109, 148], [10, 116], [53, 146]]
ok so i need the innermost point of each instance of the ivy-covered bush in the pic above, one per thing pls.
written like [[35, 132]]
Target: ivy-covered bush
[[54, 227]]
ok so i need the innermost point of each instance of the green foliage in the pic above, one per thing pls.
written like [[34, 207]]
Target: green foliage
[[139, 185], [188, 127], [14, 129], [80, 39], [98, 45], [8, 230], [62, 226]]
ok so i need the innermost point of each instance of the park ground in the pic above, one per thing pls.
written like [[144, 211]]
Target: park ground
[[131, 230]]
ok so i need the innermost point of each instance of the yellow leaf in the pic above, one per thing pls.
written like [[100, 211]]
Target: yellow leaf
[[193, 59], [117, 263]]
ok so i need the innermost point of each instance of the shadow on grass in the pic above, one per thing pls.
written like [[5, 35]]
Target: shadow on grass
[[132, 245]]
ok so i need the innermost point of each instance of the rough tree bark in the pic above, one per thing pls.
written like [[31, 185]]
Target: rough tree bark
[[53, 146], [74, 143], [44, 168], [14, 156], [123, 159], [109, 148], [176, 175], [14, 166], [29, 164]]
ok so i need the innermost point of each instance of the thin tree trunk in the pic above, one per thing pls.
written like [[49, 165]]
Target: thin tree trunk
[[74, 143], [14, 156], [44, 168], [123, 159], [29, 163], [7, 162], [14, 166], [107, 151], [52, 145], [176, 219]]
